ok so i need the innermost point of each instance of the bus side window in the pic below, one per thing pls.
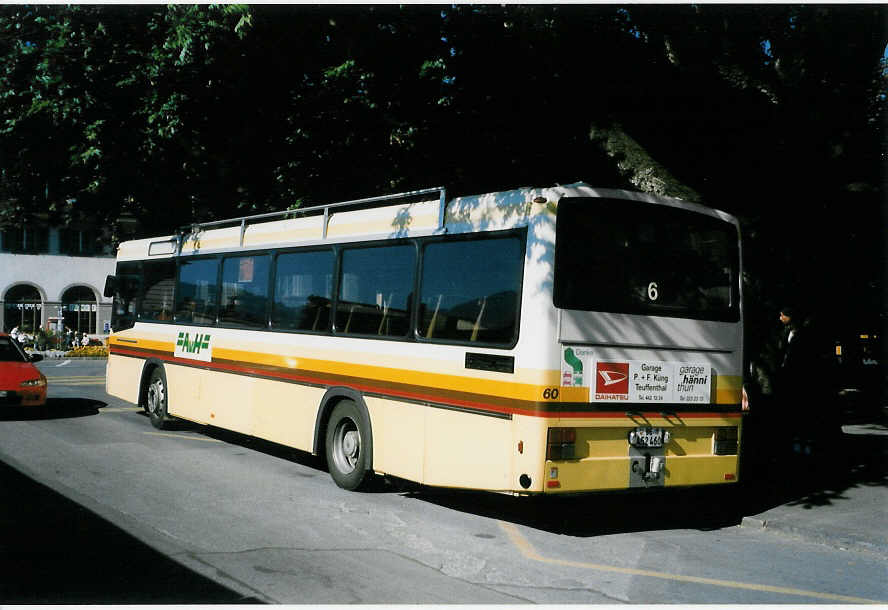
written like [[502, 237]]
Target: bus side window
[[196, 291], [375, 290], [303, 291], [244, 288], [157, 300], [470, 290]]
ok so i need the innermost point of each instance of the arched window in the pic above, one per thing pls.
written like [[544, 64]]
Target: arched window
[[79, 309], [23, 308]]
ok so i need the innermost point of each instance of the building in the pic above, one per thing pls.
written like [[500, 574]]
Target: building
[[53, 278]]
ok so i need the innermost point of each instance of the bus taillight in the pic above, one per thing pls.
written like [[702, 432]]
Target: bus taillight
[[561, 444]]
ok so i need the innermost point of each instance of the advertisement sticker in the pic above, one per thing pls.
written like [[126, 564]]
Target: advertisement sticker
[[575, 362], [647, 381], [693, 383], [611, 381], [650, 381]]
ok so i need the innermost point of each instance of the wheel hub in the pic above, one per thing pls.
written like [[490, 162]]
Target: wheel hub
[[155, 397], [350, 444]]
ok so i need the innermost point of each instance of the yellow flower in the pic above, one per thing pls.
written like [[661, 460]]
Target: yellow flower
[[92, 351]]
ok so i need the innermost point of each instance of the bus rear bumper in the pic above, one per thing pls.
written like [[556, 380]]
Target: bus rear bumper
[[639, 472]]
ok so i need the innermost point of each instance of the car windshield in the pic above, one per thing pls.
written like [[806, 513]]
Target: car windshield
[[9, 352]]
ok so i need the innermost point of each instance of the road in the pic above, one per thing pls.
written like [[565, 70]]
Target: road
[[130, 514]]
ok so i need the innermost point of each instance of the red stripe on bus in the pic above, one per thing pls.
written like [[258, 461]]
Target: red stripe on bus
[[538, 410]]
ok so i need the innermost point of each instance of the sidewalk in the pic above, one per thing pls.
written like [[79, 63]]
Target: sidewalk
[[49, 353], [843, 502]]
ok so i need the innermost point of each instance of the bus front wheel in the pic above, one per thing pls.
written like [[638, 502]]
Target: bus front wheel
[[348, 446], [156, 399]]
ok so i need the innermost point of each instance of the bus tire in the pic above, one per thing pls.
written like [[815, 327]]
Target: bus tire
[[348, 445], [156, 399]]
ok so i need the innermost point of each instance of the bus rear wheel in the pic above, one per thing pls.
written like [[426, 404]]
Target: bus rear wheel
[[156, 400], [348, 446]]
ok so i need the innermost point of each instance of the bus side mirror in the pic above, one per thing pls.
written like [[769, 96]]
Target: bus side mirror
[[110, 286]]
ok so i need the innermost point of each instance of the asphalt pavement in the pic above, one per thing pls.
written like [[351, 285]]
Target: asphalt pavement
[[55, 551]]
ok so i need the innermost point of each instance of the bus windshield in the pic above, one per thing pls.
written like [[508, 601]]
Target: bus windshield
[[630, 257]]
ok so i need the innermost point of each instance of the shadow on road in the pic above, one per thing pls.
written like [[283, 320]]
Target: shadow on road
[[768, 481], [860, 460], [55, 408], [854, 460], [54, 551]]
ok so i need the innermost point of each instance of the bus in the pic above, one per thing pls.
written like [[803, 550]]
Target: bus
[[534, 341]]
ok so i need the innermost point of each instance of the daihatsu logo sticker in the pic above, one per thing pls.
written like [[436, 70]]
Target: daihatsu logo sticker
[[194, 346], [611, 381], [611, 377]]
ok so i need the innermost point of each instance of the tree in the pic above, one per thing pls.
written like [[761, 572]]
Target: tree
[[176, 113], [96, 106]]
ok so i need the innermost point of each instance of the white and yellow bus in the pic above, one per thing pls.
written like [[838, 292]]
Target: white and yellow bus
[[540, 340]]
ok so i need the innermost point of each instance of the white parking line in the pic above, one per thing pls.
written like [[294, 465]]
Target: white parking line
[[189, 438], [63, 363]]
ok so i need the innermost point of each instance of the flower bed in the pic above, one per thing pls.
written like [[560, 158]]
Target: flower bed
[[90, 351]]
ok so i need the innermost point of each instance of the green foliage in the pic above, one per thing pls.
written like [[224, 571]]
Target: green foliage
[[181, 113], [97, 103]]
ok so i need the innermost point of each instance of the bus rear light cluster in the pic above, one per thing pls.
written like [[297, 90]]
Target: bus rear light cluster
[[725, 441], [561, 444]]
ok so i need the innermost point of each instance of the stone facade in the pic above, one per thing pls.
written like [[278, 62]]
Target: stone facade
[[52, 289]]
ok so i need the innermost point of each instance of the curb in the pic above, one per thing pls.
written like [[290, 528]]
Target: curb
[[841, 540]]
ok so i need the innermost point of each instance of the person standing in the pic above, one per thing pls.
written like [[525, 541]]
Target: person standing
[[804, 388]]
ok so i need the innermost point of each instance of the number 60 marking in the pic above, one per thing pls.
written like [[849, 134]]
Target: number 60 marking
[[550, 394]]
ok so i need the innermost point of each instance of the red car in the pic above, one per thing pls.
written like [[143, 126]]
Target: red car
[[21, 384]]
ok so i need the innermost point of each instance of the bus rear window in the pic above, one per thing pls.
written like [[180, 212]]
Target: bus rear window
[[628, 257]]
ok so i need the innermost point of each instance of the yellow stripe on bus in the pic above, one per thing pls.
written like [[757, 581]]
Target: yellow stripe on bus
[[727, 386]]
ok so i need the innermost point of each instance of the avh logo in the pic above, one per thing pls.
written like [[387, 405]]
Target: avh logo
[[193, 346], [196, 346], [612, 378]]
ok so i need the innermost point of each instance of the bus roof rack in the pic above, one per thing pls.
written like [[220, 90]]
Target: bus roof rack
[[367, 202]]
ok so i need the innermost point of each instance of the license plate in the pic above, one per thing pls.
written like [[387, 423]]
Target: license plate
[[2, 393], [646, 437]]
